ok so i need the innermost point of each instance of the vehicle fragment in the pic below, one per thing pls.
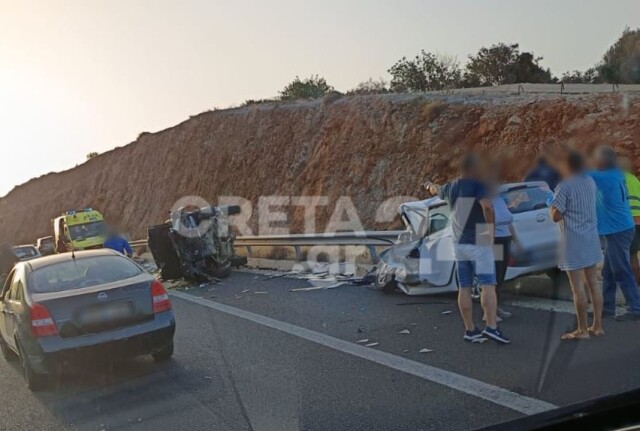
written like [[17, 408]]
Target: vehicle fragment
[[404, 331], [196, 244], [364, 340], [425, 351], [371, 344]]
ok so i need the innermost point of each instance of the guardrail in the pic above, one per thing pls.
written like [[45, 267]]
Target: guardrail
[[370, 239]]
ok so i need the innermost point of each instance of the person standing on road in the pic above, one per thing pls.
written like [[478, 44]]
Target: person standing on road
[[472, 219], [617, 229], [117, 242], [574, 209], [543, 171], [505, 235], [633, 192]]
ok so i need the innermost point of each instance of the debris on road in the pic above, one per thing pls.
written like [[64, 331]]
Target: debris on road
[[308, 289], [446, 312], [404, 331], [260, 293], [284, 274], [371, 344], [364, 340], [426, 350]]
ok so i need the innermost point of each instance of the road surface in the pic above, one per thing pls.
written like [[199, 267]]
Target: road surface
[[253, 355]]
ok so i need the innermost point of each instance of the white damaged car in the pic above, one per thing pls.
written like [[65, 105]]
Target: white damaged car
[[422, 261]]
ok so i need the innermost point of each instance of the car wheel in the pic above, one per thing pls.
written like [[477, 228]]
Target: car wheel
[[386, 281], [164, 354], [35, 381], [8, 354]]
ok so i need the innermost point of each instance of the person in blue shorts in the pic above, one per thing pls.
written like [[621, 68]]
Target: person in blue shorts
[[472, 219]]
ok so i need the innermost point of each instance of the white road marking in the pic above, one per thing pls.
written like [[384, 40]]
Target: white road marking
[[555, 305], [467, 385]]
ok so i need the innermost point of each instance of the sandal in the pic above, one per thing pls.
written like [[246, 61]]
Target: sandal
[[595, 333], [575, 336]]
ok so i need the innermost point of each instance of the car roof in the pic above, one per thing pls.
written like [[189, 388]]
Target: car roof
[[436, 201], [41, 262]]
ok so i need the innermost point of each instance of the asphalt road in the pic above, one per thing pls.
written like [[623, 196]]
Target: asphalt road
[[253, 355]]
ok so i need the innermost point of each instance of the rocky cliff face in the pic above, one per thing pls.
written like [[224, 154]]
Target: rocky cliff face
[[368, 148]]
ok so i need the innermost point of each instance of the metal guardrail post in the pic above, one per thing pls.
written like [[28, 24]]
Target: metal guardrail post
[[298, 253]]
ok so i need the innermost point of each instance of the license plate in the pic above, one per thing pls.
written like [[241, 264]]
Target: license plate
[[106, 313]]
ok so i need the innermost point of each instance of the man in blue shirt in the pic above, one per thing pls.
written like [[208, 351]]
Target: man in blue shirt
[[543, 171], [116, 242], [617, 228], [472, 221]]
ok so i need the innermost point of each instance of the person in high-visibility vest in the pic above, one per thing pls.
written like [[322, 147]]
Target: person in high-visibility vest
[[633, 192]]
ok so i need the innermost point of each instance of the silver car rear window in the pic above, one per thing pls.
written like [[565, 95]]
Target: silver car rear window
[[524, 199], [79, 273]]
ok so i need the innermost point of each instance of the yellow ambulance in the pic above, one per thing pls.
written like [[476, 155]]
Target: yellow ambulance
[[79, 230]]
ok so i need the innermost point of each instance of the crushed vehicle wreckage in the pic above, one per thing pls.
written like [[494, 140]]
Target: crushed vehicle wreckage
[[195, 244]]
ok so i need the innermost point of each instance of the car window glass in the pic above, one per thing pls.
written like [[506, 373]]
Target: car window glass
[[526, 199], [80, 273], [25, 252], [8, 282], [16, 288], [438, 219], [19, 292]]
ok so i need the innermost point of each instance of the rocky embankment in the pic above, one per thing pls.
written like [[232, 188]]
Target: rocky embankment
[[369, 148]]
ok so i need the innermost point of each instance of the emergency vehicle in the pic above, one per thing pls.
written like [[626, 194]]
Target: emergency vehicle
[[79, 230]]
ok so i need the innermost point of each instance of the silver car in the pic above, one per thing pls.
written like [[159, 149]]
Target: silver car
[[422, 261], [66, 309]]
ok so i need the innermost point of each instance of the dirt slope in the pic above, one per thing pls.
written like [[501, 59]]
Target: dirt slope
[[366, 147]]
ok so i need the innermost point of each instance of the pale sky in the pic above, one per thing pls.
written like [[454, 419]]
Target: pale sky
[[81, 76]]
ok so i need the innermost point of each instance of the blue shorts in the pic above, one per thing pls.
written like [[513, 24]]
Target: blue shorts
[[475, 261]]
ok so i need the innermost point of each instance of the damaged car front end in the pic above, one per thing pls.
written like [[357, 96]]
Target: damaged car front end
[[422, 261]]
